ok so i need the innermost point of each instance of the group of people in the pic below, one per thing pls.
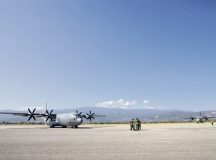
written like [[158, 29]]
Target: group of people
[[135, 124]]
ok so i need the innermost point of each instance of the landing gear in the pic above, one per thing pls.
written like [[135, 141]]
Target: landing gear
[[76, 126], [64, 126], [52, 126]]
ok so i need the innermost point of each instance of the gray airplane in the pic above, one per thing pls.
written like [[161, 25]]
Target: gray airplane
[[63, 120], [200, 118]]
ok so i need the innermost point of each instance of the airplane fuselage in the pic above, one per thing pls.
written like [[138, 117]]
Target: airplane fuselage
[[200, 120], [64, 120]]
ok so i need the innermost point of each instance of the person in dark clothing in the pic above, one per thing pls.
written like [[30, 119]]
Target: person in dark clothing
[[139, 124], [132, 124]]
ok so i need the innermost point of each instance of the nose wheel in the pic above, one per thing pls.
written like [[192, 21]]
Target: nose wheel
[[52, 126]]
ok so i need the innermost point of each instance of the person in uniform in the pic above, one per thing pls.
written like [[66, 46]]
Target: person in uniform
[[136, 127], [139, 124], [132, 124]]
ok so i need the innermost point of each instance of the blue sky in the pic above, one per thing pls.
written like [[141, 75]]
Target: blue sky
[[114, 53]]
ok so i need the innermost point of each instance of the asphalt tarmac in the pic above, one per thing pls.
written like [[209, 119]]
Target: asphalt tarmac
[[107, 142]]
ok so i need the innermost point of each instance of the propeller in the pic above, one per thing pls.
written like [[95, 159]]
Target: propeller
[[90, 116], [31, 114], [78, 114], [205, 117], [49, 114], [191, 118]]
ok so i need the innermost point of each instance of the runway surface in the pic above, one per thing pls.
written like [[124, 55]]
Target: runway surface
[[106, 142]]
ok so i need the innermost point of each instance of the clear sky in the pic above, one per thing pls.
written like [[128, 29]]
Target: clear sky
[[112, 53]]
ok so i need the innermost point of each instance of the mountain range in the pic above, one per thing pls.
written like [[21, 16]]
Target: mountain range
[[120, 115]]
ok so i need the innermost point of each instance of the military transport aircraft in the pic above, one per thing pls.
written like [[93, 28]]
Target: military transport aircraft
[[63, 120], [200, 118]]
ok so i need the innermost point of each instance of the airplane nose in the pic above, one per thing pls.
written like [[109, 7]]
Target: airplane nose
[[79, 120]]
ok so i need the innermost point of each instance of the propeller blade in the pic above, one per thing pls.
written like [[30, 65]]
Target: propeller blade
[[47, 118], [88, 114], [29, 110], [47, 111], [31, 114], [49, 115], [29, 118]]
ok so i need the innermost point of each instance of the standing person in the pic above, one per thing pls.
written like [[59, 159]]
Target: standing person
[[212, 123], [132, 124], [139, 124]]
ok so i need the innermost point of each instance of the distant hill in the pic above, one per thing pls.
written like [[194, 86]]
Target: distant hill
[[120, 115]]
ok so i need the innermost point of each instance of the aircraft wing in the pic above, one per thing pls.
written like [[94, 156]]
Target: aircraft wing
[[31, 114], [191, 118], [16, 113], [98, 115], [89, 115], [211, 117]]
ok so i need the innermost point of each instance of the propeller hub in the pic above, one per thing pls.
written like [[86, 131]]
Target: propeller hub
[[32, 114], [49, 115], [90, 116]]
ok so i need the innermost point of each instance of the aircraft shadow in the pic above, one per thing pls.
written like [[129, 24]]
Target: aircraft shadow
[[85, 128], [72, 128]]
